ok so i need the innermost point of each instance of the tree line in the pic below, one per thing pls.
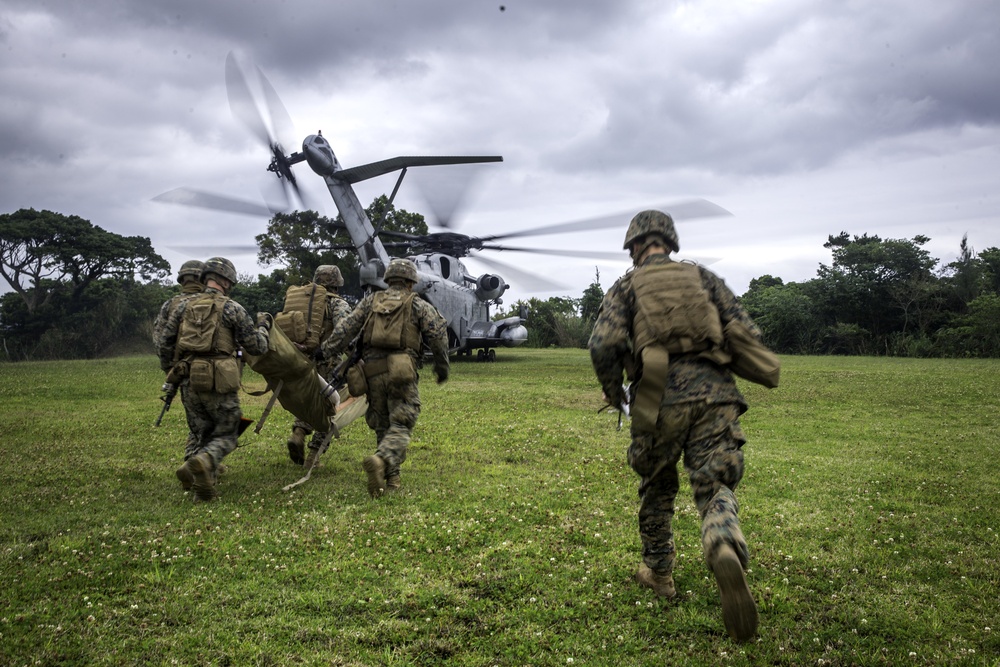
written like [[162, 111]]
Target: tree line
[[80, 291]]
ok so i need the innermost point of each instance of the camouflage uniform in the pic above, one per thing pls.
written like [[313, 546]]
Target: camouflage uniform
[[392, 408], [698, 419], [336, 310], [189, 287], [214, 417]]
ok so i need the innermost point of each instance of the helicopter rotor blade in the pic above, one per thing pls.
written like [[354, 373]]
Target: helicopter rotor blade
[[620, 256], [679, 211], [281, 121], [241, 101], [527, 279], [445, 191], [201, 199]]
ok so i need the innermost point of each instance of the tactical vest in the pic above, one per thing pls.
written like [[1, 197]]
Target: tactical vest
[[391, 325], [674, 309], [673, 315], [201, 332], [303, 315]]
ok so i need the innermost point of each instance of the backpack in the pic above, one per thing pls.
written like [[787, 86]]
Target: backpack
[[200, 324], [301, 318], [390, 326]]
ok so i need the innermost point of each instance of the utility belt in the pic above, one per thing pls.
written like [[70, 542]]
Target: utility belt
[[399, 365], [654, 362], [219, 373]]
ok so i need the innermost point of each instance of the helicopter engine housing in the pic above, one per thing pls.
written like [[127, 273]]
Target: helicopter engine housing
[[490, 287]]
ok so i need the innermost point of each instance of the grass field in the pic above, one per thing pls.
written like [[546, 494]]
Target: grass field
[[871, 502]]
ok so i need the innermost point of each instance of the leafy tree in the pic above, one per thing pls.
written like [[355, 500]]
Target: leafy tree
[[42, 252], [785, 314], [590, 304], [266, 294], [964, 276], [873, 283], [76, 287], [989, 265], [975, 334]]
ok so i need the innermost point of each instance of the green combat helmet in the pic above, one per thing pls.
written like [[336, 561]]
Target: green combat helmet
[[190, 270], [221, 267], [328, 276], [652, 222], [401, 269]]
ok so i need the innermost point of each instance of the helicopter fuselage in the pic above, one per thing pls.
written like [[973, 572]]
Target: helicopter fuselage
[[461, 298], [464, 301]]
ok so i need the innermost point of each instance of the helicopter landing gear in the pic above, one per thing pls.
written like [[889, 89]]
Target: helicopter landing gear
[[486, 355]]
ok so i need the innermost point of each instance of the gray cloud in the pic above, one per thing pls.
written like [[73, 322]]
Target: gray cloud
[[788, 113]]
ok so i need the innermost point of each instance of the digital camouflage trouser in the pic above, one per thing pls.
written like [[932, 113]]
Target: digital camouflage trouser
[[214, 420], [392, 414], [710, 439]]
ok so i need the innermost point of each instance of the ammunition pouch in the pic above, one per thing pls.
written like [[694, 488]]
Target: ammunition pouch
[[202, 375], [293, 324], [221, 375], [357, 385]]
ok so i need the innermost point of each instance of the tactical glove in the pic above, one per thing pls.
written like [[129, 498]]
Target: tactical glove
[[317, 355], [442, 374], [264, 321]]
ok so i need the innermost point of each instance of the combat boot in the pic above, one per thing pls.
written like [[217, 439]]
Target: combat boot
[[739, 612], [202, 469], [374, 465], [392, 483], [661, 582], [185, 476], [296, 446], [312, 459]]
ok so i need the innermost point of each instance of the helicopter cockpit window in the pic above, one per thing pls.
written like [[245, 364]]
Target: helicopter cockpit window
[[445, 267]]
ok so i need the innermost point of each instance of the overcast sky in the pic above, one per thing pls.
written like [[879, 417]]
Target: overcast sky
[[803, 118]]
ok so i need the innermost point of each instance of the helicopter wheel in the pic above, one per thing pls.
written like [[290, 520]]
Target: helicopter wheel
[[491, 355], [481, 355]]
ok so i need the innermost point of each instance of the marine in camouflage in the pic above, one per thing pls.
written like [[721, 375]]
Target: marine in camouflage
[[188, 277], [393, 408], [698, 420], [336, 309], [213, 417]]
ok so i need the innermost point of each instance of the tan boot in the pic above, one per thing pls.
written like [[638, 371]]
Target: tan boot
[[392, 483], [296, 446], [185, 476], [739, 612], [375, 467], [312, 459], [202, 469], [662, 584]]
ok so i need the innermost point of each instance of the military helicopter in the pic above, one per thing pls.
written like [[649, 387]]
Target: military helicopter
[[462, 298]]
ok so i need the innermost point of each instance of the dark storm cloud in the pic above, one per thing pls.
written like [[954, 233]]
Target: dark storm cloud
[[782, 109]]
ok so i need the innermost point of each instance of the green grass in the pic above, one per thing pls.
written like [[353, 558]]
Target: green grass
[[870, 502]]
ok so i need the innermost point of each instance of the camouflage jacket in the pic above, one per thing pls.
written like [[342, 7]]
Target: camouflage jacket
[[234, 316], [432, 327], [188, 290], [336, 310], [689, 378]]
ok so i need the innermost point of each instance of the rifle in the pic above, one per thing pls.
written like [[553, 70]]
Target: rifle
[[338, 378], [169, 391]]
